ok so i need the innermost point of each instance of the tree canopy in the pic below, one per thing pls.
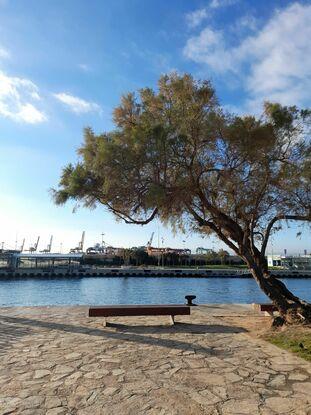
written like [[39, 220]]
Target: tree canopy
[[176, 154]]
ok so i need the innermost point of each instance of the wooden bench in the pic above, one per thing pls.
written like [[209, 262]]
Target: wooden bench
[[171, 310], [267, 308]]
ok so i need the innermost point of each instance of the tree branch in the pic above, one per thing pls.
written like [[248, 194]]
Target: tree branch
[[128, 219], [213, 227], [273, 221]]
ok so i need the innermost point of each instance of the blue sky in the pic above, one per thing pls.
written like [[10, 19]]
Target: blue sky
[[64, 65]]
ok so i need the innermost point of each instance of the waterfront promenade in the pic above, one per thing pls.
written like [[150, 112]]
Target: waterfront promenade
[[55, 360]]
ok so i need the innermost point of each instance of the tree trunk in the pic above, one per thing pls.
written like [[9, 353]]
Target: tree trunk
[[291, 308]]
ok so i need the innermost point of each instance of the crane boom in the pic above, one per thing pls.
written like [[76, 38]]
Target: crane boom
[[150, 240], [22, 246], [50, 244], [81, 244]]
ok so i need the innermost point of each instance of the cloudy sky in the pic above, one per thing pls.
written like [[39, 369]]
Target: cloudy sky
[[64, 65]]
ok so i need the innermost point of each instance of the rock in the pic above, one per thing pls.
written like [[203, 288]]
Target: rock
[[243, 373], [116, 372], [57, 411], [39, 374], [96, 375], [232, 377], [245, 406], [213, 379], [32, 402], [52, 402], [277, 381], [303, 387], [60, 369], [73, 356], [284, 393], [210, 397], [220, 391], [110, 391], [198, 398], [297, 376], [280, 405], [91, 367], [263, 376], [73, 378], [110, 360]]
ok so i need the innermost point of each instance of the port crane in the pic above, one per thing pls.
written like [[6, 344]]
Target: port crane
[[23, 244], [49, 247], [150, 240], [35, 247], [79, 248]]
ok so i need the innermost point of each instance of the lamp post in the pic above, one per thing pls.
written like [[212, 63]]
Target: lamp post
[[162, 252]]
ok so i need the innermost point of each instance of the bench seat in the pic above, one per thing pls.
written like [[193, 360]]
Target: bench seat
[[139, 310], [267, 308]]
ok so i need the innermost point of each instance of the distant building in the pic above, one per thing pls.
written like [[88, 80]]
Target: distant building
[[15, 259], [302, 262], [161, 251]]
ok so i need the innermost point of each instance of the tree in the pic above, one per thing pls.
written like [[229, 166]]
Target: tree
[[140, 256], [176, 155], [211, 257], [223, 255]]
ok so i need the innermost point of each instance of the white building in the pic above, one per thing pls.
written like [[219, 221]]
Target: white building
[[289, 261]]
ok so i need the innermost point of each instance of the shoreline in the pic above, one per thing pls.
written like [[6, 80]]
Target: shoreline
[[83, 272]]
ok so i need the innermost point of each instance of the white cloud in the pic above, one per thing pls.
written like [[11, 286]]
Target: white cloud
[[4, 53], [84, 67], [244, 23], [16, 100], [196, 17], [274, 63], [216, 4], [76, 104], [209, 47]]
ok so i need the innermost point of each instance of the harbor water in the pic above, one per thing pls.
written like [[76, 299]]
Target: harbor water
[[137, 290]]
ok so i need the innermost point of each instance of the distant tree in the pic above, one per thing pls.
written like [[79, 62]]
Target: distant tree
[[140, 256], [211, 257], [177, 156], [223, 256], [171, 259]]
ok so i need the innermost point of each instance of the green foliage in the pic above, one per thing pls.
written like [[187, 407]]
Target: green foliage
[[296, 340], [174, 153]]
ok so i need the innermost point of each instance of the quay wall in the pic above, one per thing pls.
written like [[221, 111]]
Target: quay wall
[[140, 272]]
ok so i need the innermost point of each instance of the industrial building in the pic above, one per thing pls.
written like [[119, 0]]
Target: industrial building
[[15, 259], [301, 262]]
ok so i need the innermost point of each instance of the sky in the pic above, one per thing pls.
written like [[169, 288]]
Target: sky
[[65, 64]]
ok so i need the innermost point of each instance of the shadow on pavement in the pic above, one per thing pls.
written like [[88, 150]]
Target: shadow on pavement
[[11, 333], [177, 328], [14, 327]]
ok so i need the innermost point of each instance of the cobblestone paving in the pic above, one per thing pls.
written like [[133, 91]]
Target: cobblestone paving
[[55, 360]]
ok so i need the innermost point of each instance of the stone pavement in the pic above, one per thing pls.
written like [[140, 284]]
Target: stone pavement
[[55, 360]]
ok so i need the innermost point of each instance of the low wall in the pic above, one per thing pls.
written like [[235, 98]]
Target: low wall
[[141, 272]]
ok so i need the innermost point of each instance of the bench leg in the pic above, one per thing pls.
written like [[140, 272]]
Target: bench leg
[[104, 322], [172, 320]]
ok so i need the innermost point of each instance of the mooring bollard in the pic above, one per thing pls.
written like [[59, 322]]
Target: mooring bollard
[[189, 299]]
